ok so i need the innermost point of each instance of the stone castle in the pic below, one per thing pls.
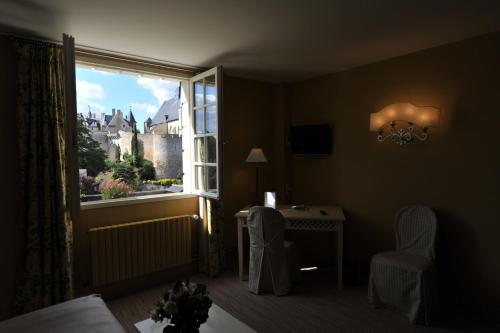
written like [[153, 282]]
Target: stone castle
[[160, 142]]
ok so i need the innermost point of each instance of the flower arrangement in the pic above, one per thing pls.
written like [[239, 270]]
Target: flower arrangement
[[185, 306], [115, 188]]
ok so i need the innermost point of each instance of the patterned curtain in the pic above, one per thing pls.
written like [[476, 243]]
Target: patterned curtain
[[211, 235], [47, 273]]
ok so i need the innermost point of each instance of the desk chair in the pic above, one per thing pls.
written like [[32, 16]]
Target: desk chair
[[273, 260], [405, 279]]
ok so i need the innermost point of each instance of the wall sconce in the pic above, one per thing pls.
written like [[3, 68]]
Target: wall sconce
[[402, 119]]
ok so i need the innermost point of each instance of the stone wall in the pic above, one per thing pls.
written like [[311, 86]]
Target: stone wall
[[146, 146], [167, 156], [102, 138], [124, 142], [165, 151]]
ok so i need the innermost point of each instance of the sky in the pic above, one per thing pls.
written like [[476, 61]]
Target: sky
[[103, 91]]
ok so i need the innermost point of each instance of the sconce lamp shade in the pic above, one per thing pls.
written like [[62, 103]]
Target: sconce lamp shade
[[426, 116], [256, 156]]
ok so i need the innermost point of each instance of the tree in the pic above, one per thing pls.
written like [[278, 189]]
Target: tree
[[91, 156], [125, 170], [135, 147], [147, 170]]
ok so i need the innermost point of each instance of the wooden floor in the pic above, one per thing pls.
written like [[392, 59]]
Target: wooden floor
[[314, 306]]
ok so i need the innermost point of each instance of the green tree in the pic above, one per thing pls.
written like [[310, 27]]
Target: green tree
[[90, 154], [135, 147], [147, 170], [125, 170]]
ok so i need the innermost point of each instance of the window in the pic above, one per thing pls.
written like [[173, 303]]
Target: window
[[205, 117], [143, 133]]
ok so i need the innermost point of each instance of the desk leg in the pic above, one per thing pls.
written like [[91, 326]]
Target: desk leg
[[240, 249], [340, 247]]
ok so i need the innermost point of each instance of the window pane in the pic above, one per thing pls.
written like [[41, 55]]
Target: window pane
[[198, 93], [211, 114], [211, 149], [211, 90], [212, 179], [199, 121], [199, 149], [199, 175]]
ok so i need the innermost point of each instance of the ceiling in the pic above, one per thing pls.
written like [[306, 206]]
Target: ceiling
[[272, 40]]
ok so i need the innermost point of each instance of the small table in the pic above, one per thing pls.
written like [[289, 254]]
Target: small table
[[218, 321], [309, 218]]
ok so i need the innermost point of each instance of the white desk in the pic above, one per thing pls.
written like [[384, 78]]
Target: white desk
[[308, 219], [219, 321]]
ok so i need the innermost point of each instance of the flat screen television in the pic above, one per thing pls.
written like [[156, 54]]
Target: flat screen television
[[311, 140]]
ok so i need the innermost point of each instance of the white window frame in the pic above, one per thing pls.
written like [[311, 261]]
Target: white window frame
[[217, 72]]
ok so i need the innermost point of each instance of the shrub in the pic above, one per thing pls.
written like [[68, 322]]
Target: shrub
[[147, 171], [125, 171], [165, 181], [87, 185], [113, 189], [111, 164]]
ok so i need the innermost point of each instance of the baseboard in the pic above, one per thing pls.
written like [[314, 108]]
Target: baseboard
[[134, 285]]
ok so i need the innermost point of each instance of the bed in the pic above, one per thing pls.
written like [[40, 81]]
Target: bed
[[84, 314]]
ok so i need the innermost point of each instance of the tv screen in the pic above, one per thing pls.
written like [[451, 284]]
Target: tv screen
[[311, 140]]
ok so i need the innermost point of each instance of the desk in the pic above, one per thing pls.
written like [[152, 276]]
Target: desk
[[308, 219]]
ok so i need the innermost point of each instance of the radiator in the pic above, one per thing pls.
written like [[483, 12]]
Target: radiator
[[129, 250]]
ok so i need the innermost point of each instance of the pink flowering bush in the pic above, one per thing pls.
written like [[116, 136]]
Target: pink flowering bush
[[88, 185], [115, 188]]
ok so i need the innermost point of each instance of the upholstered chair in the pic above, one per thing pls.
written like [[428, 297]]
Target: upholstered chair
[[405, 279]]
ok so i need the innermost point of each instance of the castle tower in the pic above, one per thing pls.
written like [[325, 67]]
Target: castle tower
[[147, 125]]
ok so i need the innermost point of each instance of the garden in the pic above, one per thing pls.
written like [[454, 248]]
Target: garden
[[111, 179]]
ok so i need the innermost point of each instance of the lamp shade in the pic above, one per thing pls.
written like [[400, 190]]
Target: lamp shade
[[425, 116], [256, 156]]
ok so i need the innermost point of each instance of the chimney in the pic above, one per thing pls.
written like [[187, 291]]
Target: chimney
[[113, 112]]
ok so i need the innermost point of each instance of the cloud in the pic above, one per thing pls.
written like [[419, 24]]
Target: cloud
[[149, 108], [104, 73], [83, 106], [87, 90], [162, 90]]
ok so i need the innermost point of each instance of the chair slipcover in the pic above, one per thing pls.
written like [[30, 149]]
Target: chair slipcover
[[270, 256], [405, 279]]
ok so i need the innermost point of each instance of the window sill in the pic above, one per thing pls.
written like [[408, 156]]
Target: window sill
[[134, 200]]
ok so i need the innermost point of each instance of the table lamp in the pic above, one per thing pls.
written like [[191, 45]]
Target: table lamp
[[257, 157]]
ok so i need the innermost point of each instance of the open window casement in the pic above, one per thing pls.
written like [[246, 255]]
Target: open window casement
[[203, 172]]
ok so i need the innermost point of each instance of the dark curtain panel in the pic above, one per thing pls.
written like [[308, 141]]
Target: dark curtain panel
[[47, 275], [211, 235]]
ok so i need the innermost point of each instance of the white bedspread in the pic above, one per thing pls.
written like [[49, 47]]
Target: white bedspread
[[85, 314]]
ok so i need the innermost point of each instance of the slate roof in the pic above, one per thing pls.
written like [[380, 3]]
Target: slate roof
[[131, 118], [107, 118], [169, 108]]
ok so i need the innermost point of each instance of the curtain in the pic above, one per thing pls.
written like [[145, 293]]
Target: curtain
[[211, 235], [46, 278]]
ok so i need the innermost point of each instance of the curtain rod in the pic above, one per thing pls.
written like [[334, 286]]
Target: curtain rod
[[145, 61], [84, 50], [31, 39]]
